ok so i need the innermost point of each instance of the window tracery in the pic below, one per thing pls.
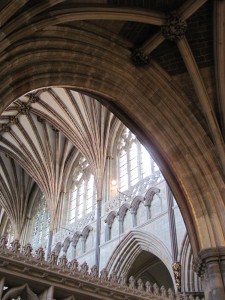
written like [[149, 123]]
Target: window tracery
[[41, 223], [134, 161], [83, 192]]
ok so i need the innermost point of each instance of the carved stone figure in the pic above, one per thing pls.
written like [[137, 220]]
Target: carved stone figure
[[94, 271], [40, 254], [52, 259], [163, 291], [84, 268], [15, 246], [3, 242], [148, 287], [156, 290], [113, 277], [104, 274], [73, 265], [132, 282], [123, 280], [177, 274], [63, 262], [140, 285], [27, 250]]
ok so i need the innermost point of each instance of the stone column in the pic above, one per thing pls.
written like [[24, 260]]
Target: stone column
[[50, 238], [107, 232], [120, 225], [148, 212], [98, 232], [134, 217], [172, 224], [210, 266]]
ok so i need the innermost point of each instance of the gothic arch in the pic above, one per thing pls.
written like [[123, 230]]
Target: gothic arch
[[66, 244], [189, 279], [194, 176], [135, 203], [110, 218], [123, 210], [150, 194], [131, 246]]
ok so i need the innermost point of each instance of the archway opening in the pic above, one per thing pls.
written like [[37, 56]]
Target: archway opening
[[150, 268]]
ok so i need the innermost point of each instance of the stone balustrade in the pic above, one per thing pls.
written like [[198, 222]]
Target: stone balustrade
[[17, 261]]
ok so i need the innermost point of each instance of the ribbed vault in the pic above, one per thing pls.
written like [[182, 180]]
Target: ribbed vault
[[52, 44], [17, 193], [40, 130]]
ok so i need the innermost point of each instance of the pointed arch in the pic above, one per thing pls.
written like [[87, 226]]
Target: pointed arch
[[131, 246]]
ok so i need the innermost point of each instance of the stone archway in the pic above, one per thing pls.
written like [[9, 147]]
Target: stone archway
[[135, 244], [159, 116]]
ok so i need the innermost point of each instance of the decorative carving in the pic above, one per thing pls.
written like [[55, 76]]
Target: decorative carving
[[104, 274], [24, 109], [40, 255], [132, 282], [33, 98], [184, 296], [94, 271], [15, 246], [84, 268], [171, 294], [148, 287], [123, 280], [140, 285], [113, 277], [191, 297], [155, 289], [27, 250], [73, 265], [174, 29], [52, 259], [63, 262], [3, 242], [163, 291], [139, 58], [177, 274]]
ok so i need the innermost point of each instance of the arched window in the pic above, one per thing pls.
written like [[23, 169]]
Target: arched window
[[83, 192], [41, 222], [134, 161]]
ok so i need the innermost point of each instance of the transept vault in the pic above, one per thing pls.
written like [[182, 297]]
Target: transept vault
[[156, 66]]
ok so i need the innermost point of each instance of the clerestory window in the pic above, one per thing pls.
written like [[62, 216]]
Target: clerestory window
[[41, 223], [83, 192], [134, 161]]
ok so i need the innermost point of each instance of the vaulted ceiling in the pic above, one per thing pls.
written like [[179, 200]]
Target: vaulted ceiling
[[159, 65], [43, 132]]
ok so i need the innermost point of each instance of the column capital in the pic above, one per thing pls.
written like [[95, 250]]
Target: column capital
[[207, 256]]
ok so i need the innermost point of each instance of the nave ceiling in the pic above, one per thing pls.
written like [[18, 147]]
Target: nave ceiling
[[44, 133], [175, 103]]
